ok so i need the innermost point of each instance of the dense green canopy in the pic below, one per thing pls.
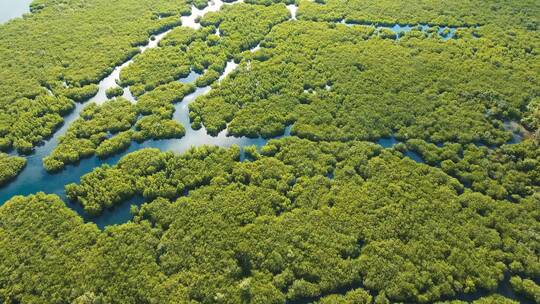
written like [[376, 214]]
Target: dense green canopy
[[273, 229], [323, 216], [10, 167], [109, 128], [340, 83], [67, 47]]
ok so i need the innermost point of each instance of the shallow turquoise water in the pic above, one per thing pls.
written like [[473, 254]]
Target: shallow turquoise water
[[389, 142]]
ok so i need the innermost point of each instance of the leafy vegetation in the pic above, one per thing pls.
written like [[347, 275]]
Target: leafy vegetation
[[93, 131], [526, 287], [336, 82], [323, 216], [35, 120], [114, 92], [521, 14], [277, 228], [87, 133], [10, 166], [241, 26], [289, 185], [106, 129], [67, 47], [510, 172]]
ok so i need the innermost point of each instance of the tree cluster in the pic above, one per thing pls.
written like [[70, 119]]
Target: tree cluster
[[10, 166], [336, 82], [109, 128], [279, 228], [509, 172], [241, 27], [65, 48]]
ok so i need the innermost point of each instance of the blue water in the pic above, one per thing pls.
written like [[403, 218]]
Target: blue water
[[512, 126], [445, 33], [10, 9], [389, 142], [414, 156], [34, 178]]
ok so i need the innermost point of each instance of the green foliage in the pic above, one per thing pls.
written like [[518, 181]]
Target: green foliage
[[207, 78], [495, 299], [27, 123], [532, 116], [508, 172], [114, 92], [387, 34], [242, 27], [130, 275], [67, 47], [42, 244], [105, 186], [452, 13], [10, 166], [91, 130], [357, 296], [109, 187], [117, 143], [106, 129], [526, 287], [80, 94], [336, 82], [155, 127], [323, 216], [278, 228], [160, 101]]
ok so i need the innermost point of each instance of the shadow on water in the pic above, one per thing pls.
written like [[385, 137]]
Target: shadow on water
[[117, 215], [504, 289]]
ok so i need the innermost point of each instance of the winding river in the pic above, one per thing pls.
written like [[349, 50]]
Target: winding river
[[34, 178]]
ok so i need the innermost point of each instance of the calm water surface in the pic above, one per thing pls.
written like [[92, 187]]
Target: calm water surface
[[34, 178], [445, 33]]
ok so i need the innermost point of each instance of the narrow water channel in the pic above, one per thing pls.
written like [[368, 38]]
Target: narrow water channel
[[34, 178], [293, 8], [443, 32]]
